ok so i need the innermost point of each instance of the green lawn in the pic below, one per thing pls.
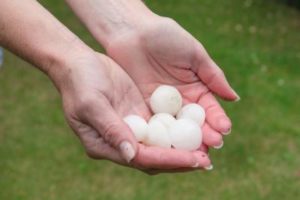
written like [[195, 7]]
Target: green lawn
[[256, 42]]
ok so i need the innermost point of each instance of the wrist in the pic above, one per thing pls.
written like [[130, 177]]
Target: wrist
[[111, 19], [60, 64], [36, 36], [132, 30]]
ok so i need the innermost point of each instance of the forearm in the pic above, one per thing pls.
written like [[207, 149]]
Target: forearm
[[107, 19], [31, 32]]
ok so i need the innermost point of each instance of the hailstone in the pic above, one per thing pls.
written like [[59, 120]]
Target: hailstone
[[185, 134], [192, 111], [138, 126], [158, 135], [166, 119], [166, 99]]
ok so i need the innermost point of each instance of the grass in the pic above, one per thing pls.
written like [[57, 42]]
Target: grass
[[257, 43]]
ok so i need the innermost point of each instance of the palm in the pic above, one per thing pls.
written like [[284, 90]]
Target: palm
[[105, 80], [96, 98], [167, 54]]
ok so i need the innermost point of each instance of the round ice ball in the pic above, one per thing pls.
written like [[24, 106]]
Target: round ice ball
[[185, 134], [192, 111], [138, 126], [166, 99], [157, 135], [166, 119]]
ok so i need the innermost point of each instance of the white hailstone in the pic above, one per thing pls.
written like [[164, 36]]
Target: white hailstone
[[158, 135], [185, 134], [192, 111], [166, 119], [138, 126], [166, 99]]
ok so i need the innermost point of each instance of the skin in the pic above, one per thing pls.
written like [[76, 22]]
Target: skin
[[96, 93], [98, 78], [155, 50]]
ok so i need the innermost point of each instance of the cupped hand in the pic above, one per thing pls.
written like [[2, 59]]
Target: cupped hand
[[96, 95], [158, 51]]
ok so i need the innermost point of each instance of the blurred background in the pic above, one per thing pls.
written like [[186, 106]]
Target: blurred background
[[256, 42]]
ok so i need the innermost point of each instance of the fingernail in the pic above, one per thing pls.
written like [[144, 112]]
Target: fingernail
[[224, 124], [227, 132], [219, 146], [127, 151], [238, 98], [210, 167], [196, 165]]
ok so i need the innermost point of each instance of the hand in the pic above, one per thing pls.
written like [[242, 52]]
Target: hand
[[96, 95], [158, 51]]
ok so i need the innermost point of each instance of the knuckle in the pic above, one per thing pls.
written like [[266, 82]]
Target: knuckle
[[85, 104], [162, 158], [201, 57], [110, 133], [215, 75], [94, 149], [149, 164]]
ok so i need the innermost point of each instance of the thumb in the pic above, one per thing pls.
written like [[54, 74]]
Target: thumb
[[212, 76], [114, 131]]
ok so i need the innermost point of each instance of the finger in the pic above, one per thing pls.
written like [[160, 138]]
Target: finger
[[163, 158], [95, 146], [159, 171], [213, 76], [211, 137], [215, 115], [113, 129], [204, 148], [179, 170]]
